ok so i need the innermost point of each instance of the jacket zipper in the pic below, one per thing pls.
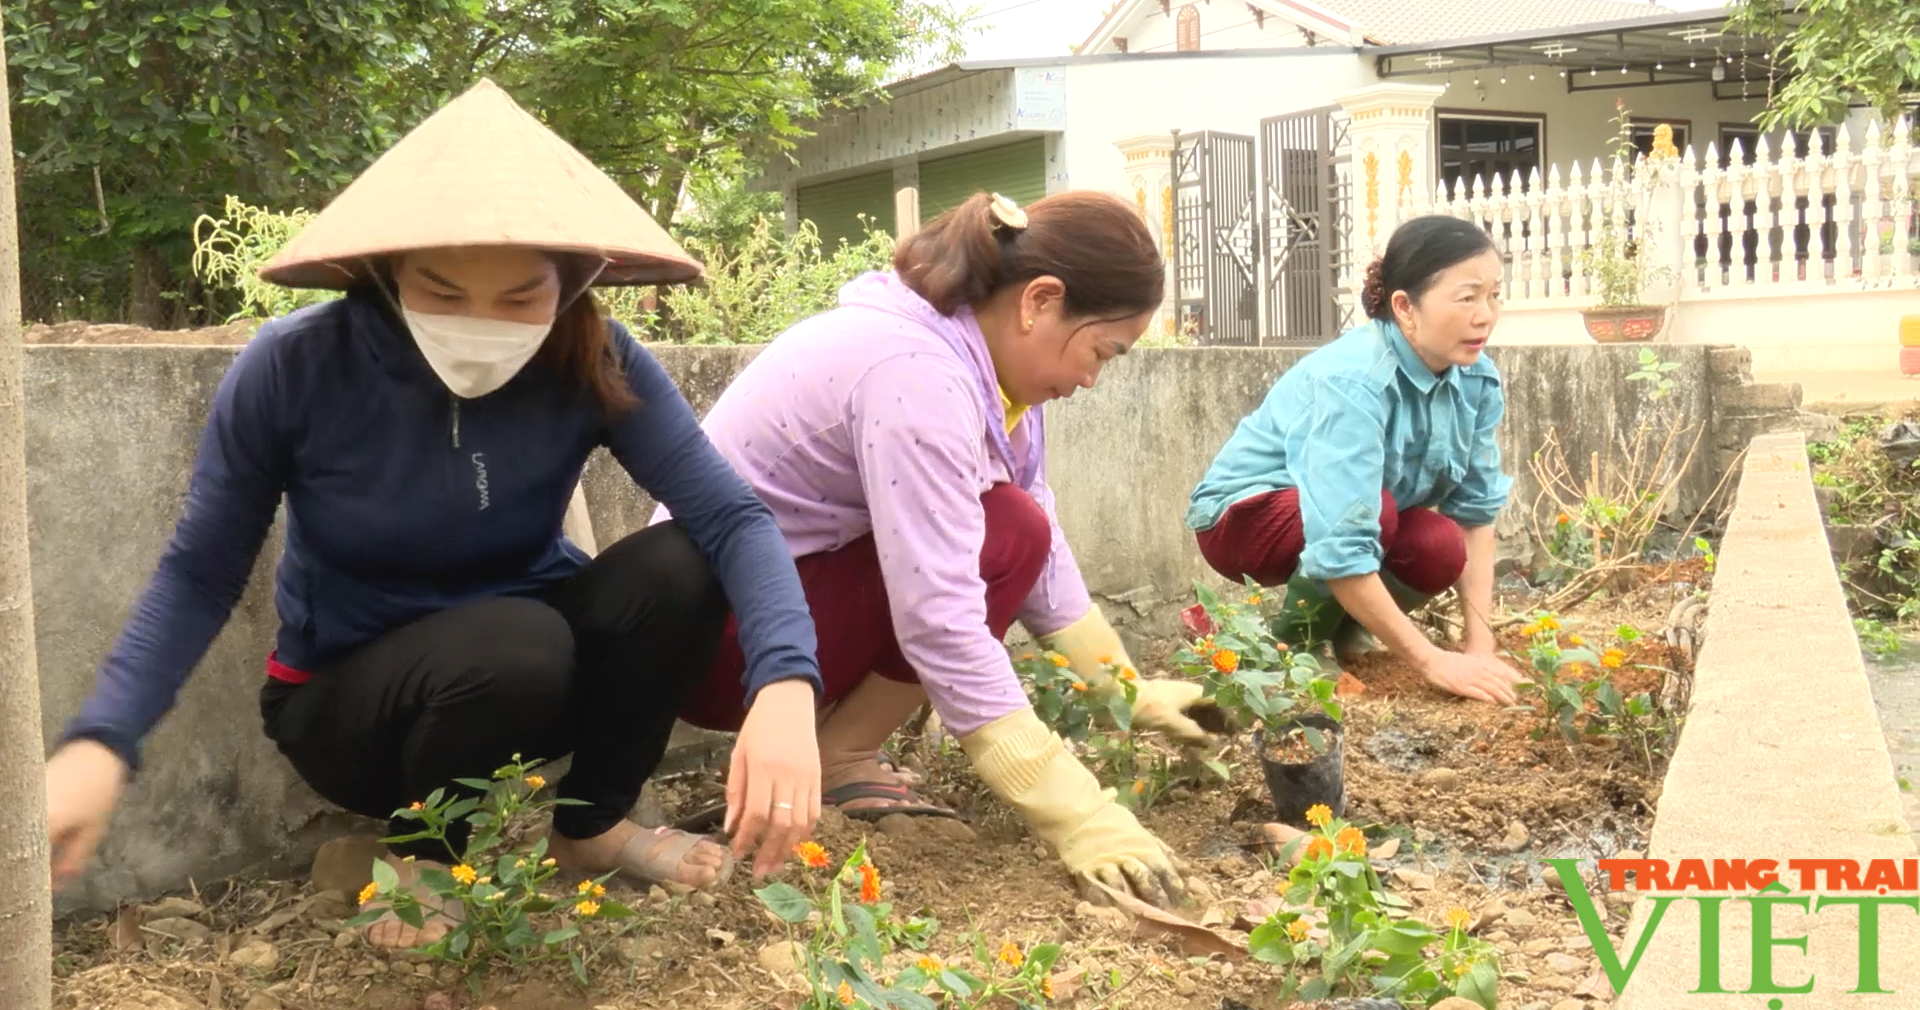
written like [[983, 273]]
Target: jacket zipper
[[456, 421]]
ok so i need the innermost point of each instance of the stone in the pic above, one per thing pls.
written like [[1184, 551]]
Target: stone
[[272, 923], [1537, 1005], [1554, 982], [1516, 837], [1520, 918], [346, 864], [262, 1001], [259, 956], [721, 937], [657, 895], [183, 930], [173, 908], [1455, 1003], [1414, 879], [1540, 946], [783, 958], [327, 905], [1439, 778], [1387, 849], [345, 939], [1566, 964], [702, 899], [1493, 912], [1185, 986], [1424, 836]]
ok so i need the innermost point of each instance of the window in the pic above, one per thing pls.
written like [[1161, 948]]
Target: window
[[1495, 148], [1187, 29], [1747, 134]]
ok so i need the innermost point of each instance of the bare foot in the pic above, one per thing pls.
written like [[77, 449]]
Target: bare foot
[[661, 855], [388, 931]]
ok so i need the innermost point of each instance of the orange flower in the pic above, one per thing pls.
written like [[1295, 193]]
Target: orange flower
[[417, 805], [1612, 659], [536, 782], [1562, 519], [1126, 673], [369, 892], [1058, 660], [1351, 840], [1046, 987], [1297, 930], [1458, 918], [1080, 685], [1319, 848], [1139, 786], [1226, 661], [811, 854], [930, 964], [464, 874], [1010, 956], [1254, 600], [845, 995], [1318, 815], [869, 884]]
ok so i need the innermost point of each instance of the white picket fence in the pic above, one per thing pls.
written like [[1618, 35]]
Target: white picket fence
[[1779, 223]]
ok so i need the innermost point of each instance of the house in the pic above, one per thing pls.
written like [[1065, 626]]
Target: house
[[1276, 143]]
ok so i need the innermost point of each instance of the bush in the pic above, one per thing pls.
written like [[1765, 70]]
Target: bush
[[770, 282], [235, 247]]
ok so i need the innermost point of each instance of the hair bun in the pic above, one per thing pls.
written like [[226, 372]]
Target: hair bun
[[1373, 290]]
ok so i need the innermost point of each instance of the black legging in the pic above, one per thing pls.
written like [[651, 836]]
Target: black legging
[[597, 670]]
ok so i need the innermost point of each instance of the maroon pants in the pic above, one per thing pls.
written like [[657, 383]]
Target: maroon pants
[[1261, 537], [854, 623]]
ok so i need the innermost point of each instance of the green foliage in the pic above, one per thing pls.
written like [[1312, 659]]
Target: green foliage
[[1843, 52], [1865, 486], [1877, 638], [228, 252], [1340, 934], [1098, 722], [758, 289], [1653, 372], [1254, 676], [510, 919]]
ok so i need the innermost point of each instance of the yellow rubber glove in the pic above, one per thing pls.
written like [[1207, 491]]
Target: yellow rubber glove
[[1090, 643], [1028, 766]]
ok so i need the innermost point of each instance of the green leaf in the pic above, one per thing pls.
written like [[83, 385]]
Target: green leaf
[[1480, 985], [1315, 990], [478, 785], [409, 912], [952, 982], [906, 999], [785, 901], [579, 969], [384, 876], [560, 935]]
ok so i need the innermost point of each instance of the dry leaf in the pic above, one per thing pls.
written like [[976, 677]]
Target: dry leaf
[[125, 932], [1195, 940], [1066, 984], [1597, 986]]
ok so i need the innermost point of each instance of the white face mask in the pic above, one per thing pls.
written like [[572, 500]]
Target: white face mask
[[474, 356]]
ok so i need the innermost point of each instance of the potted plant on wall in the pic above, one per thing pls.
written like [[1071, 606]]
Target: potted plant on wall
[[1618, 257]]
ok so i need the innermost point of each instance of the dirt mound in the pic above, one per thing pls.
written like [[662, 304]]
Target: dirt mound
[[105, 334]]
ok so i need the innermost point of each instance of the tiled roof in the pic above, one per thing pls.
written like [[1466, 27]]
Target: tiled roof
[[1400, 22]]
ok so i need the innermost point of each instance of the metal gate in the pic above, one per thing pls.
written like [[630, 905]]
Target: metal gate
[[1216, 276], [1306, 200]]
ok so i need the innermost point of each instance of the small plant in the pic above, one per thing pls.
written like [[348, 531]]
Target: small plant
[[770, 281], [235, 246], [509, 918], [1254, 677], [1876, 638], [849, 938], [1011, 976], [1707, 554], [1653, 372], [1099, 723], [1340, 934]]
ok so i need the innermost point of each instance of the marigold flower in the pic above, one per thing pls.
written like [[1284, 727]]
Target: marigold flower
[[1080, 685], [1576, 641], [1226, 661], [1058, 660], [1297, 930], [1319, 847], [1046, 987], [930, 964], [1530, 630], [811, 854], [845, 995], [1612, 659], [1011, 956], [1351, 840], [587, 908], [1458, 918], [1127, 673], [1105, 660], [1459, 970], [369, 892], [464, 874], [1548, 622], [869, 884], [1318, 815], [536, 782], [1562, 519]]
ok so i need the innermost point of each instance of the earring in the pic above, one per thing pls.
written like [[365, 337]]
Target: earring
[[1029, 324]]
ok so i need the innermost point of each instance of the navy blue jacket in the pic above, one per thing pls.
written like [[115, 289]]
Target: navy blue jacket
[[403, 501]]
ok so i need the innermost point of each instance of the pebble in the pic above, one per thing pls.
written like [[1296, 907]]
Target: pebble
[[1387, 849], [1566, 964], [1520, 918], [1185, 986], [1455, 1003], [361, 971], [1537, 1005], [1424, 836], [423, 970], [273, 922], [1554, 982], [1540, 946], [657, 895], [721, 937], [702, 899], [784, 957], [174, 908], [262, 1001], [259, 956], [1516, 837], [1517, 977], [1414, 879], [344, 940], [1440, 778]]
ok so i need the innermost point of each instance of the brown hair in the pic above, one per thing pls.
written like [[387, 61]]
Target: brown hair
[[1095, 243], [580, 347], [1416, 254]]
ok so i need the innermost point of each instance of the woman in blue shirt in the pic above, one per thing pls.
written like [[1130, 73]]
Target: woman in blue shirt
[[426, 432], [1369, 479]]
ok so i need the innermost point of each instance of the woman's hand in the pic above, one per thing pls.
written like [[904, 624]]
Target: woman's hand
[[1481, 676], [84, 782], [773, 784]]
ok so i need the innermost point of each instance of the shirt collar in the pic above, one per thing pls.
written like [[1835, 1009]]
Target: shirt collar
[[1411, 366]]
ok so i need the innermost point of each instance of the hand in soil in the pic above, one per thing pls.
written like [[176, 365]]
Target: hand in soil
[[84, 780], [773, 784], [388, 931], [1174, 707], [1483, 678]]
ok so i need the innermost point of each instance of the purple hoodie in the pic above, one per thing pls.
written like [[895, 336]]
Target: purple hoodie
[[884, 417]]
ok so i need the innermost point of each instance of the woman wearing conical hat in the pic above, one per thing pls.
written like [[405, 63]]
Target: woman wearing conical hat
[[426, 432], [899, 441]]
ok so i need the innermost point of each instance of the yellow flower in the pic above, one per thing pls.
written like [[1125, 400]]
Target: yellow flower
[[1254, 600], [1127, 673], [1226, 661], [464, 874], [1319, 848], [1351, 840], [1458, 918], [1548, 622], [1530, 630], [369, 892], [1010, 955], [1058, 660], [1106, 661], [549, 863], [1297, 930], [1046, 987], [930, 964], [586, 887], [1318, 815], [536, 782], [845, 995], [1576, 641], [599, 892], [587, 908], [811, 854], [1459, 970], [1612, 659]]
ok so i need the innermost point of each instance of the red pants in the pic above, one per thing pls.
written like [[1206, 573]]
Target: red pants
[[1261, 537], [852, 619]]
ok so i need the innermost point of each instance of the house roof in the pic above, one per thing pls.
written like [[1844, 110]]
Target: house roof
[[1404, 22]]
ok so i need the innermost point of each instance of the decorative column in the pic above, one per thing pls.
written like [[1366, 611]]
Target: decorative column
[[1391, 137], [1149, 184], [906, 198]]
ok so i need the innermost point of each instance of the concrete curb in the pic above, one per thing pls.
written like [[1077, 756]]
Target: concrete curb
[[1782, 758]]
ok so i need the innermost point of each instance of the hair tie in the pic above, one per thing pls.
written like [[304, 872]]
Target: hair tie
[[1007, 213]]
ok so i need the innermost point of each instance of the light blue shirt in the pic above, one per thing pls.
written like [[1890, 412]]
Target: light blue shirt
[[1358, 416]]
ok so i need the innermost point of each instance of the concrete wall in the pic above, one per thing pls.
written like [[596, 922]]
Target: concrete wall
[[112, 431]]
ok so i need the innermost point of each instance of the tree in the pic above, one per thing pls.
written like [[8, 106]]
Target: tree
[[26, 902], [1843, 52]]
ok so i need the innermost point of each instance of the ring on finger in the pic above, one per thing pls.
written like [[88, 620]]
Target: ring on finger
[[783, 806]]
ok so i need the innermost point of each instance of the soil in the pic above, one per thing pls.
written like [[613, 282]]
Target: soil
[[1460, 800], [104, 334]]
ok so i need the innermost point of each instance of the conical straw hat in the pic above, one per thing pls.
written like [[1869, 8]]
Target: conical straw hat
[[481, 171]]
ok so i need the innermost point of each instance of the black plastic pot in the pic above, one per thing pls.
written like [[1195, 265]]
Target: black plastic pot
[[1321, 781]]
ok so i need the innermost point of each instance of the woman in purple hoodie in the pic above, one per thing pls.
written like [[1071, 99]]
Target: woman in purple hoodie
[[899, 441]]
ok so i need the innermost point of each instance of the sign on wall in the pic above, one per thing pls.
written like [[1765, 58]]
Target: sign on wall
[[1040, 98]]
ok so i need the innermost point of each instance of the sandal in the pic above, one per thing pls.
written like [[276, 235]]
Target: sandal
[[653, 856], [908, 803]]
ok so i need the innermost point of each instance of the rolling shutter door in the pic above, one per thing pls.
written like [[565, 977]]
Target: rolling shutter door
[[835, 208], [1017, 170]]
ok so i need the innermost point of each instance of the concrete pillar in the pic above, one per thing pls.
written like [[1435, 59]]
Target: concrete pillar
[[1149, 184], [906, 198], [790, 200], [1390, 129]]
